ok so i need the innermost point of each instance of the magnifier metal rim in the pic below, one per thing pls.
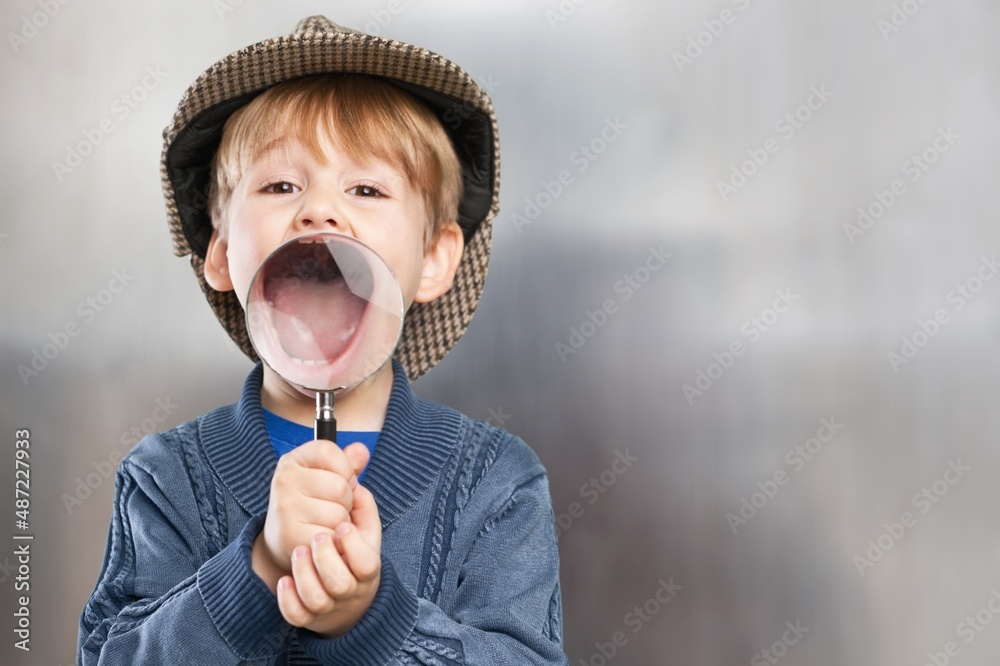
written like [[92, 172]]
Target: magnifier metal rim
[[349, 239]]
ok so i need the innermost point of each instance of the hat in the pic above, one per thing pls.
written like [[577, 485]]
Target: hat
[[319, 46]]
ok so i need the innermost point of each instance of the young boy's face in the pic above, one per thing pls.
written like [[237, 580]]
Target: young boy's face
[[290, 192]]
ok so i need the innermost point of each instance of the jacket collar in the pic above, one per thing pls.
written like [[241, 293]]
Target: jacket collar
[[416, 439]]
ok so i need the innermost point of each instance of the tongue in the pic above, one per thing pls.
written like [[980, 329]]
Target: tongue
[[313, 319]]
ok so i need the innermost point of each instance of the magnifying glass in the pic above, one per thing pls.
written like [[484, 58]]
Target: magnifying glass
[[324, 311]]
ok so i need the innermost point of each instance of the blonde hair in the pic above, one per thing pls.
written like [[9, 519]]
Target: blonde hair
[[364, 116]]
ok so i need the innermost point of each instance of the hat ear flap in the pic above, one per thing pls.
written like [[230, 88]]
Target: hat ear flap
[[217, 263]]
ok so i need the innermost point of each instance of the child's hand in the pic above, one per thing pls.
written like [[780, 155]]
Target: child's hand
[[312, 491], [334, 578]]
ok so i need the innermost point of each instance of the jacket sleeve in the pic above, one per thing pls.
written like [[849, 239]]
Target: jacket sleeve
[[160, 598], [507, 609]]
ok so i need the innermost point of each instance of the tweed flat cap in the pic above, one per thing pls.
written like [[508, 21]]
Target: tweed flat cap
[[319, 46]]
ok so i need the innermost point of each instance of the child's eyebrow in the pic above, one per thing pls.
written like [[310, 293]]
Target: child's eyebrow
[[277, 149]]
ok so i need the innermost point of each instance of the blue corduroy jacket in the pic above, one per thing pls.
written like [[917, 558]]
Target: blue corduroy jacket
[[470, 567]]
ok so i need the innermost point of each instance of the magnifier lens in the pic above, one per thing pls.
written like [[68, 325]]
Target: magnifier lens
[[324, 311]]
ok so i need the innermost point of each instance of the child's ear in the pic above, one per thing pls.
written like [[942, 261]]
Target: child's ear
[[440, 263], [217, 263]]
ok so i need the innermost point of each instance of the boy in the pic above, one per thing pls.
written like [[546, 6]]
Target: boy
[[234, 537]]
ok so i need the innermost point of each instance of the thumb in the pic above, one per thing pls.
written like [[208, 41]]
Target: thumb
[[364, 515], [358, 454]]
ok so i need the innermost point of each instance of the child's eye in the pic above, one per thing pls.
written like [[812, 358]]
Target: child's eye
[[279, 187], [366, 190]]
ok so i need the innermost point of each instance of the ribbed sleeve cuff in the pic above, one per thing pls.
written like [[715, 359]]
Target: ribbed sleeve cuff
[[242, 606], [378, 635]]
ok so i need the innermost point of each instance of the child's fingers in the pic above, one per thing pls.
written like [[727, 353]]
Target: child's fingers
[[307, 583], [323, 515], [324, 485], [291, 607], [364, 561], [334, 575], [358, 454], [364, 515], [321, 454]]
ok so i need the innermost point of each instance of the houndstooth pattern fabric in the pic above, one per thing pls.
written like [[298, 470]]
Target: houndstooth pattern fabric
[[318, 46]]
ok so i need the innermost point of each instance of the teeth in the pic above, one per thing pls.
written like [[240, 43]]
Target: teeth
[[305, 361], [295, 359]]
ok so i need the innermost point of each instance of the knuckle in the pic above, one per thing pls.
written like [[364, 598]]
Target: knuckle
[[345, 499], [279, 508], [338, 514], [338, 586], [339, 484], [341, 489], [317, 602], [280, 482]]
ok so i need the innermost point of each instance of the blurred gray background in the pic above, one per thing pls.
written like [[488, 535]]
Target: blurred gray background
[[561, 75]]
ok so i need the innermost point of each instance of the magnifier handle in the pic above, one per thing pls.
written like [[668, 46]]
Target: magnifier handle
[[326, 425], [326, 429]]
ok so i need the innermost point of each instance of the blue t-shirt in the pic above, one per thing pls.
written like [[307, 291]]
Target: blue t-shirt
[[286, 435]]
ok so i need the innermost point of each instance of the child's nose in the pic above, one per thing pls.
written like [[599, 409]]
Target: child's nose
[[319, 213]]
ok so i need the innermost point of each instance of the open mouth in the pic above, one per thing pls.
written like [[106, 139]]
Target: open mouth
[[318, 296]]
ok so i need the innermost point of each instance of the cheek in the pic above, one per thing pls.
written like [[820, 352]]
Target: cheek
[[245, 257], [409, 285], [403, 254]]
